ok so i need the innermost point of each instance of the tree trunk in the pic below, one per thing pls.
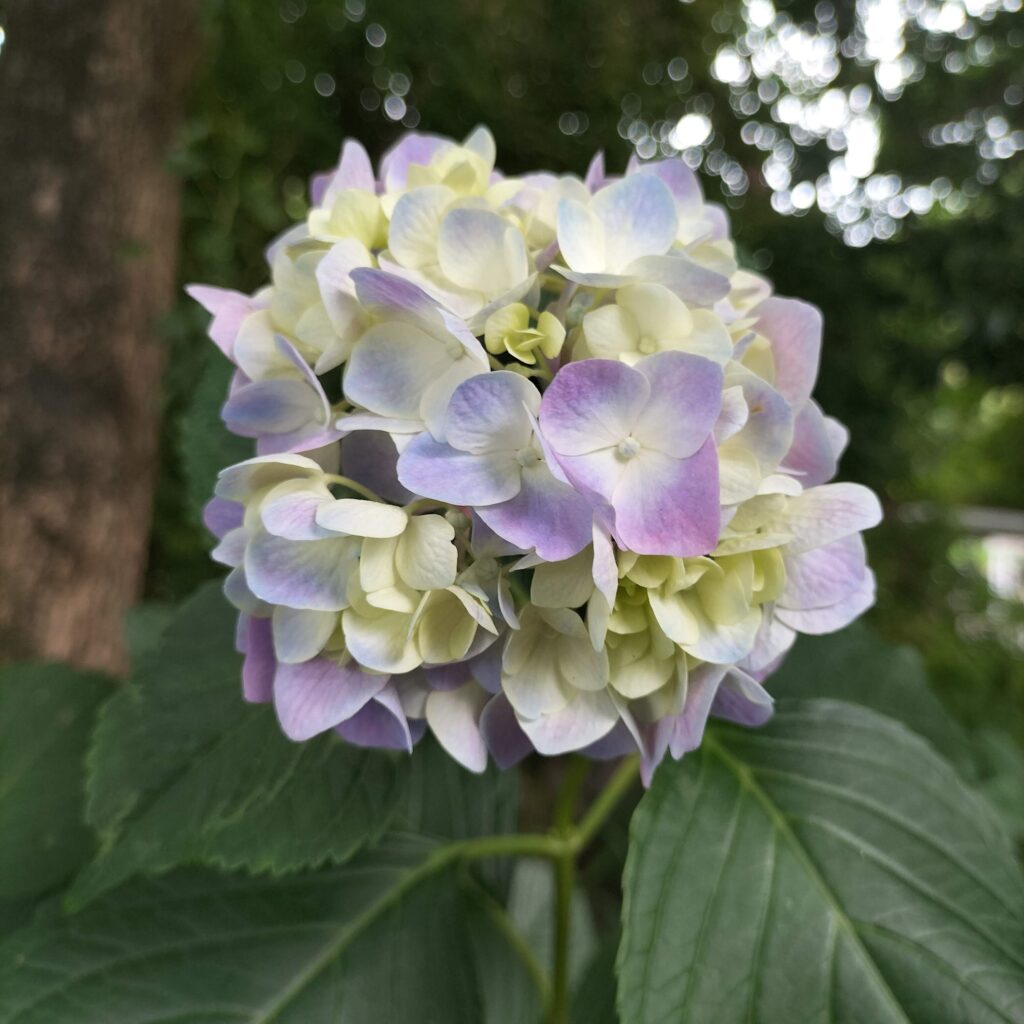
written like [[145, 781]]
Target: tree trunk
[[90, 98]]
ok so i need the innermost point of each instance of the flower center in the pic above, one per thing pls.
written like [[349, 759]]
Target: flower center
[[454, 349], [629, 447], [647, 345], [527, 457]]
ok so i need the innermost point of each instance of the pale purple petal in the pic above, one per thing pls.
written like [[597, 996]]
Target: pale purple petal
[[638, 215], [436, 470], [590, 715], [827, 513], [503, 734], [381, 723], [618, 743], [824, 576], [292, 514], [300, 574], [677, 175], [546, 514], [592, 404], [742, 699], [688, 729], [666, 506], [317, 695], [354, 170], [816, 621], [270, 407], [811, 456], [685, 399], [595, 177], [491, 412], [384, 293], [301, 634], [221, 516], [794, 330], [685, 277], [260, 664], [411, 148]]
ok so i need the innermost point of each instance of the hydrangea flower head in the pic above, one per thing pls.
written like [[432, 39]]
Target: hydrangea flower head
[[538, 465]]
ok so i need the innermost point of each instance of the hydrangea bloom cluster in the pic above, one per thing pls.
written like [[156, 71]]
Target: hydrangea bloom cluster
[[538, 465]]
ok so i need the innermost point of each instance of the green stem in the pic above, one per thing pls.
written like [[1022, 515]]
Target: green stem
[[600, 810], [352, 485]]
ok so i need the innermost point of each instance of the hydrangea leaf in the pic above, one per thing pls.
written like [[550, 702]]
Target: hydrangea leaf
[[387, 937], [855, 665], [46, 716], [829, 866], [182, 770]]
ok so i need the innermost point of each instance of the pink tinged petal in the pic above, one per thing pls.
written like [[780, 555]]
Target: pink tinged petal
[[666, 506], [229, 309], [454, 718], [318, 185], [317, 695], [481, 252], [290, 512], [590, 715], [638, 215], [491, 412], [301, 635], [794, 330], [689, 280], [503, 734], [684, 403], [824, 576], [688, 731], [742, 699], [546, 514], [382, 723], [300, 574], [768, 431], [827, 513], [838, 436], [260, 664], [370, 458], [221, 516], [811, 455], [437, 470], [717, 216], [591, 405], [816, 621]]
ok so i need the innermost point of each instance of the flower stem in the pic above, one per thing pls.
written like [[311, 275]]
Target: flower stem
[[352, 485]]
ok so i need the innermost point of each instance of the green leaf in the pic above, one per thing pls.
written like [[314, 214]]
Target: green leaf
[[445, 800], [390, 936], [183, 771], [46, 715], [856, 666], [593, 998], [531, 905], [205, 444], [827, 868]]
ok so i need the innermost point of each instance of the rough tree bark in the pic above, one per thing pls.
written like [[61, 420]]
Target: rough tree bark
[[90, 96]]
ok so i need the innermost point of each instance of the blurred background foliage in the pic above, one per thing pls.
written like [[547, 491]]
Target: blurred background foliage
[[869, 152]]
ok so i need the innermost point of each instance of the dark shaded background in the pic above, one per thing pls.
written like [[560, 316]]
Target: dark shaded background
[[870, 155]]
